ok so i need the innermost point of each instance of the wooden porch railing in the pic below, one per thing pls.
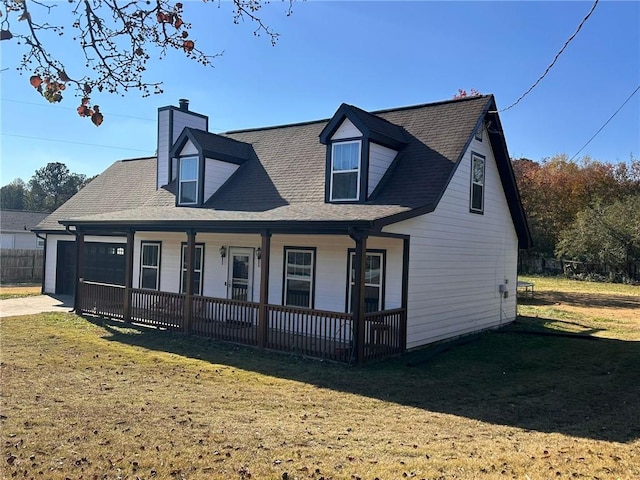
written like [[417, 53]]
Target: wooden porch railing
[[101, 299], [383, 333], [315, 333], [231, 320], [158, 309]]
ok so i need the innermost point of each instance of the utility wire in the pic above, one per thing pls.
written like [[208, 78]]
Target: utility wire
[[605, 123], [69, 108], [554, 59], [76, 143]]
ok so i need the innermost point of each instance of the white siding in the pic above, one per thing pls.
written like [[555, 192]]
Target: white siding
[[331, 265], [346, 130], [189, 149], [216, 172], [52, 255], [167, 136], [7, 240], [379, 160], [458, 260]]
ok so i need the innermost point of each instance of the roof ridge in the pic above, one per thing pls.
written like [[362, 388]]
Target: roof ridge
[[373, 112]]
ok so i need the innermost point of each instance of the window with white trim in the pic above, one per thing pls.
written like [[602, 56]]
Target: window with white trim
[[150, 265], [477, 183], [198, 265], [299, 277], [39, 242], [373, 281], [188, 188], [345, 171]]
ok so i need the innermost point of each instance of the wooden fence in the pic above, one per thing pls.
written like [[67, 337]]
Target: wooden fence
[[21, 266]]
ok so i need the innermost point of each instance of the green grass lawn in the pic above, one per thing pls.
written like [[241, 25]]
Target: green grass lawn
[[84, 398]]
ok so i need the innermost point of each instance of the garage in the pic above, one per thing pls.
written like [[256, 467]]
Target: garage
[[103, 262]]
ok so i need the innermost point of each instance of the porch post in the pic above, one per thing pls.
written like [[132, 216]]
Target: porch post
[[128, 277], [405, 293], [191, 254], [263, 313], [79, 270], [358, 306]]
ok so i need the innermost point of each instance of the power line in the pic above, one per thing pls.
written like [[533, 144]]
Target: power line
[[69, 108], [605, 123], [75, 143], [554, 59]]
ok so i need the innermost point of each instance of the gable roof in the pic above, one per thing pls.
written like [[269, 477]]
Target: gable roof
[[213, 146], [373, 126], [20, 220], [282, 182]]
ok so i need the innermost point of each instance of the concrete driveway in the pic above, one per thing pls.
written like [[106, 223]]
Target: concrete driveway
[[35, 304]]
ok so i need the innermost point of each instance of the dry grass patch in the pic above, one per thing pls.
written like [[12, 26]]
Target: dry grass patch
[[83, 398], [17, 291]]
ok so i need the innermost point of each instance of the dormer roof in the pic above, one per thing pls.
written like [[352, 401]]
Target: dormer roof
[[370, 125], [211, 145]]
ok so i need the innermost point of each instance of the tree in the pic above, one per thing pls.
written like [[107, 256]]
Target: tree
[[555, 190], [12, 195], [114, 39], [606, 235], [53, 185]]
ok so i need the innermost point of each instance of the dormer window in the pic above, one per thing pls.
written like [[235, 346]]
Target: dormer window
[[188, 190], [345, 171]]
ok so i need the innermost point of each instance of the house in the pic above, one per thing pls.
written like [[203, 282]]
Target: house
[[351, 238], [15, 229]]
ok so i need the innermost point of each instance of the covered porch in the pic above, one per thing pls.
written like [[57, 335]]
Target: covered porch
[[280, 309]]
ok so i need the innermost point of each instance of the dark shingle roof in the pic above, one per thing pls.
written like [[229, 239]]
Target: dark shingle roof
[[125, 184], [215, 146], [283, 179], [20, 220]]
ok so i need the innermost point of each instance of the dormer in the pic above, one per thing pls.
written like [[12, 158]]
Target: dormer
[[360, 148], [204, 162], [171, 121]]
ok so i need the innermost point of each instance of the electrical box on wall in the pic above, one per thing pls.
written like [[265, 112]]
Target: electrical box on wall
[[502, 288]]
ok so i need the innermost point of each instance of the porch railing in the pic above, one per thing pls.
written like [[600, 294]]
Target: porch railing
[[384, 333], [101, 299], [158, 309], [231, 320], [316, 333]]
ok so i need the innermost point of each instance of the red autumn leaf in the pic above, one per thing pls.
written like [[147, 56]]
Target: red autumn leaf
[[188, 45]]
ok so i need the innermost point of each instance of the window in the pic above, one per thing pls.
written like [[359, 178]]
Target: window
[[197, 269], [188, 180], [150, 265], [373, 281], [345, 171], [39, 242], [477, 183], [299, 277]]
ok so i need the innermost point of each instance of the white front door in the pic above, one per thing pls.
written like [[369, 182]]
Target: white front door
[[240, 276]]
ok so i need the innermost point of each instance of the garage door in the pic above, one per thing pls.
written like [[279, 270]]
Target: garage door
[[103, 262]]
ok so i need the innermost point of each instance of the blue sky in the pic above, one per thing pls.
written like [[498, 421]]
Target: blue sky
[[374, 55]]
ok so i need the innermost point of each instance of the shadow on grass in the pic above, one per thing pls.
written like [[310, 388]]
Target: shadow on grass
[[583, 387], [586, 300]]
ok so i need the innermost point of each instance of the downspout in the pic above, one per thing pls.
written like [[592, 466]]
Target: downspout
[[44, 260]]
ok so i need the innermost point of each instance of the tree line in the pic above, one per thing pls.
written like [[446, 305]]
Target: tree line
[[48, 188], [587, 211]]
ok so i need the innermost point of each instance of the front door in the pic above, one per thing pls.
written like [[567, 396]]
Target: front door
[[240, 277]]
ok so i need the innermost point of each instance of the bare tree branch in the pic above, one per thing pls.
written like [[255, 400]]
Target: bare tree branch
[[116, 39]]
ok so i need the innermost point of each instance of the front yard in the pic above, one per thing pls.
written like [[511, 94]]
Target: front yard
[[89, 399]]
